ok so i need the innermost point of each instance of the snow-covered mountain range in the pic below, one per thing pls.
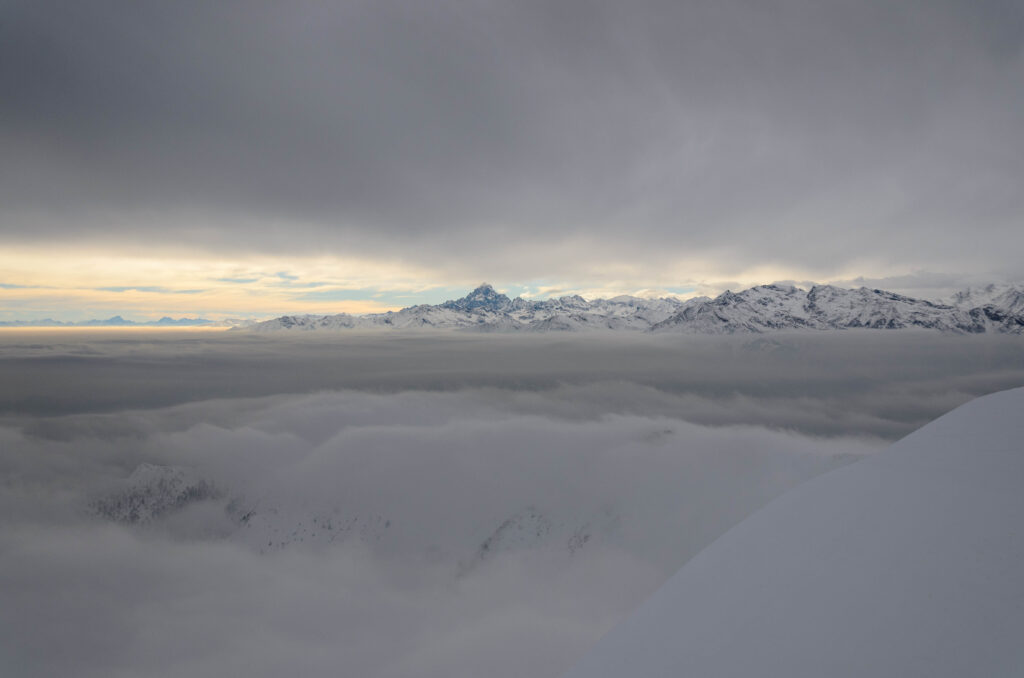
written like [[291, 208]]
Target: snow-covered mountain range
[[759, 309], [117, 321]]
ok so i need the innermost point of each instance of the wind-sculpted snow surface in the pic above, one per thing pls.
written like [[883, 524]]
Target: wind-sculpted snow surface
[[759, 309], [906, 564]]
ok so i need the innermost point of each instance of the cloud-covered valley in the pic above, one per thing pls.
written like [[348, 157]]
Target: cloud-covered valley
[[415, 507]]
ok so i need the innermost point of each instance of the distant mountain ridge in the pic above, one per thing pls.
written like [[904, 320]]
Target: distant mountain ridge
[[115, 321], [764, 308]]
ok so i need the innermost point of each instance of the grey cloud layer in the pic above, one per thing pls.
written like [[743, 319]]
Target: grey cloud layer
[[495, 504], [801, 133], [873, 383], [443, 590]]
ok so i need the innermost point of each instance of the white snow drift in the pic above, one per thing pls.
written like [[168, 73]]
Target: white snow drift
[[908, 563]]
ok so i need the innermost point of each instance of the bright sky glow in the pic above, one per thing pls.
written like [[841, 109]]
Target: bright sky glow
[[77, 284]]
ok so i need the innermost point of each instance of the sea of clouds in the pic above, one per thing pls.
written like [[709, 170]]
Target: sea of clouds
[[407, 506]]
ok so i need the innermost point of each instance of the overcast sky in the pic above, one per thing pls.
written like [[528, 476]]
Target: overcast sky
[[235, 157]]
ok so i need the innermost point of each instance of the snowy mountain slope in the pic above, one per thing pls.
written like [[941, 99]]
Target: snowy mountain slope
[[272, 528], [907, 563], [1009, 298], [772, 307], [994, 306], [152, 491], [766, 307], [863, 307], [533, 528], [763, 308]]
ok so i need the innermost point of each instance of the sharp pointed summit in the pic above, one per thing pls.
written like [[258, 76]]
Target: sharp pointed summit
[[483, 297]]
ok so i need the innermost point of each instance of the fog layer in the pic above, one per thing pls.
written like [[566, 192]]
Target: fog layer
[[444, 506]]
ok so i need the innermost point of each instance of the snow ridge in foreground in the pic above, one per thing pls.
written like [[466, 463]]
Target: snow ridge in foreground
[[907, 563]]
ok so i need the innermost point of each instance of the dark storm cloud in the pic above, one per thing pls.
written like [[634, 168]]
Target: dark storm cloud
[[796, 133]]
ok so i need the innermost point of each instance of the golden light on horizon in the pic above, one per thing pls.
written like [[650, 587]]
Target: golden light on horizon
[[37, 282]]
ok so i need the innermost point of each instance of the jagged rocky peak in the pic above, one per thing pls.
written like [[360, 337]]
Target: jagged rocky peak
[[777, 287], [483, 297], [818, 291]]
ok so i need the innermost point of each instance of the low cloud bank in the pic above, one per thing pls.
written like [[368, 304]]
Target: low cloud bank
[[477, 532], [837, 383], [407, 507]]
